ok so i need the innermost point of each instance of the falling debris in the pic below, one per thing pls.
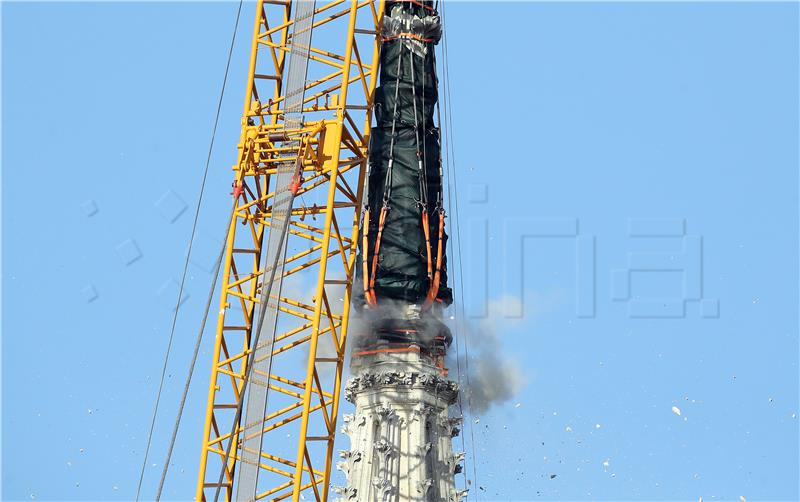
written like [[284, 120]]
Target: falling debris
[[676, 410], [596, 426], [553, 476], [606, 464], [568, 429], [517, 405], [742, 499]]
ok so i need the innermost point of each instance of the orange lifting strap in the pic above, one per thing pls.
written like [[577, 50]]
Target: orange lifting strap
[[408, 35], [381, 223], [369, 279], [426, 230], [434, 288], [364, 258], [369, 276]]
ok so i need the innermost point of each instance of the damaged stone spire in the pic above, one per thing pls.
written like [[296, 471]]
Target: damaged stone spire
[[401, 432]]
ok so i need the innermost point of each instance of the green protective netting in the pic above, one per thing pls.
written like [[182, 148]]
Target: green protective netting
[[402, 261]]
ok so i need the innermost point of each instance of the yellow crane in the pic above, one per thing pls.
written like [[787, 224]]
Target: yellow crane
[[291, 249]]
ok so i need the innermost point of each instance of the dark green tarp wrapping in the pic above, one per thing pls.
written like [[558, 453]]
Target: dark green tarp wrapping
[[402, 262]]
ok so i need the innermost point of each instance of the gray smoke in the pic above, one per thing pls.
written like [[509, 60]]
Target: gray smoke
[[488, 376]]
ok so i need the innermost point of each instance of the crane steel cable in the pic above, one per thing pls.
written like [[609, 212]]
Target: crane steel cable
[[369, 279], [444, 126], [288, 174], [387, 185], [188, 254], [451, 156], [459, 399], [198, 342], [423, 195]]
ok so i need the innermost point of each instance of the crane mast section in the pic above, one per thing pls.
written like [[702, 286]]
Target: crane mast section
[[327, 148]]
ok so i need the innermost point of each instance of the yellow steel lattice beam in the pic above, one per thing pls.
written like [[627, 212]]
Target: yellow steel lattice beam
[[305, 379]]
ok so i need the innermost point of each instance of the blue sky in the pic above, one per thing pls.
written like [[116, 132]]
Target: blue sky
[[594, 143]]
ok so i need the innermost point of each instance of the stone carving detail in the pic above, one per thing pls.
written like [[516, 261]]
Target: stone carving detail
[[383, 488], [402, 416], [425, 410], [421, 412], [455, 462], [386, 412], [450, 425], [458, 496], [446, 389], [452, 421], [347, 420], [347, 493], [383, 447], [424, 486], [350, 458]]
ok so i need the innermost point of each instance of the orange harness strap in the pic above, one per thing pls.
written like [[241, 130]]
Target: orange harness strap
[[365, 258], [434, 288], [427, 231], [381, 223], [433, 276], [408, 35]]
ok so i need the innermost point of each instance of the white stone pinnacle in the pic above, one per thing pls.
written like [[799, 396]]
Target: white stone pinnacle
[[401, 432]]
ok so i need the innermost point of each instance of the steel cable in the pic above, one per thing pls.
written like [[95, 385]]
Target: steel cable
[[459, 399], [451, 157], [265, 298], [198, 343], [188, 254], [387, 184]]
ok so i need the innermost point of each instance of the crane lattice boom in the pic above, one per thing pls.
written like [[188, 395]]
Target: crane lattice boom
[[291, 251]]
